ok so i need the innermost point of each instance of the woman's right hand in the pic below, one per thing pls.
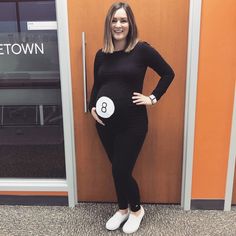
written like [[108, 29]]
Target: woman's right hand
[[95, 116]]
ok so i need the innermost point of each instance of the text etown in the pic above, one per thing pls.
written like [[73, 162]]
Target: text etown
[[22, 48]]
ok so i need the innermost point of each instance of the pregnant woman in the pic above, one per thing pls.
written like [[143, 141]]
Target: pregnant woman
[[119, 107]]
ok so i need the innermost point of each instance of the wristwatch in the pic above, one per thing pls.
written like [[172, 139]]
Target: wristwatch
[[153, 99]]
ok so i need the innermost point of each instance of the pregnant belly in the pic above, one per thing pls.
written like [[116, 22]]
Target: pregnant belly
[[114, 100]]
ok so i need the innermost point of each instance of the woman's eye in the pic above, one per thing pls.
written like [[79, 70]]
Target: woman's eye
[[121, 21]]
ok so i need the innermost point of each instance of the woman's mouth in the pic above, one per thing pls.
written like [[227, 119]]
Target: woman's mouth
[[118, 31]]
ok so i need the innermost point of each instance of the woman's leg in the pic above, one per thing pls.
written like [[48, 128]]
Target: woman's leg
[[127, 145], [108, 137]]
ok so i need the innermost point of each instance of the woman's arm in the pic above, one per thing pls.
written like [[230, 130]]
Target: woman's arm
[[93, 96], [154, 60]]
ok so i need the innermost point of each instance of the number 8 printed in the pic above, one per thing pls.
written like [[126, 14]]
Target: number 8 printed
[[104, 107]]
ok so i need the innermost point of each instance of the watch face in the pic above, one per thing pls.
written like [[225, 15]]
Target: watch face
[[105, 107]]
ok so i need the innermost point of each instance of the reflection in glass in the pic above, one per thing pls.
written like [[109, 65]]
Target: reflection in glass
[[31, 122]]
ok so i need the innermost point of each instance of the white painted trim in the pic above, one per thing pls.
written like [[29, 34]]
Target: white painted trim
[[190, 100], [67, 101], [231, 160], [39, 185]]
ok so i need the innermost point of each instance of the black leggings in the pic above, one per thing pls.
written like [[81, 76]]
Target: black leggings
[[122, 145]]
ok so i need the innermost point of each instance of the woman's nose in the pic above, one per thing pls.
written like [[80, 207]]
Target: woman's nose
[[118, 24]]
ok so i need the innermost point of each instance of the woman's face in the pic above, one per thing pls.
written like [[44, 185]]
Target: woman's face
[[120, 25]]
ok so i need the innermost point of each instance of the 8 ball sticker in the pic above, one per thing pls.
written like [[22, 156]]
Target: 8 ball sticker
[[105, 107]]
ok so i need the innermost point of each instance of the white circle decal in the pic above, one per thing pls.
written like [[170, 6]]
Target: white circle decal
[[105, 107]]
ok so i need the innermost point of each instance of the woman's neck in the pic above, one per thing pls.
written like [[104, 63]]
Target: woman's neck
[[119, 45]]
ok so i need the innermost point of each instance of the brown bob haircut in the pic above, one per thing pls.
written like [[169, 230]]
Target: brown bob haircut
[[132, 37]]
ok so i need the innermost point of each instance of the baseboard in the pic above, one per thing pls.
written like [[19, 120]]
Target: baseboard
[[207, 204], [34, 200]]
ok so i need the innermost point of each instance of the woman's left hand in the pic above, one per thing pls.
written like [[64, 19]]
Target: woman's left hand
[[140, 99]]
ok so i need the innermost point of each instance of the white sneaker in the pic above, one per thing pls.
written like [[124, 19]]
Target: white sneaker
[[132, 224], [116, 220]]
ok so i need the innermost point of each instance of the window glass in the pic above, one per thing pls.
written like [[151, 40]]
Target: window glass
[[31, 122]]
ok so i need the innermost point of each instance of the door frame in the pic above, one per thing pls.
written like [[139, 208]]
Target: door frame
[[56, 185], [231, 160], [190, 101], [69, 185]]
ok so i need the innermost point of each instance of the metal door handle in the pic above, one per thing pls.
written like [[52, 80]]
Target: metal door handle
[[84, 72]]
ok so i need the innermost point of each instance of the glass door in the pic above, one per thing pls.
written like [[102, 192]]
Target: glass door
[[31, 120]]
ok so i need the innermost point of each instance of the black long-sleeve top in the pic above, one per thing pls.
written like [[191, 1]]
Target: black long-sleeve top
[[119, 74]]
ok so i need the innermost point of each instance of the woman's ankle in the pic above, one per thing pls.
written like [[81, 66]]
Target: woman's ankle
[[136, 213], [124, 211]]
